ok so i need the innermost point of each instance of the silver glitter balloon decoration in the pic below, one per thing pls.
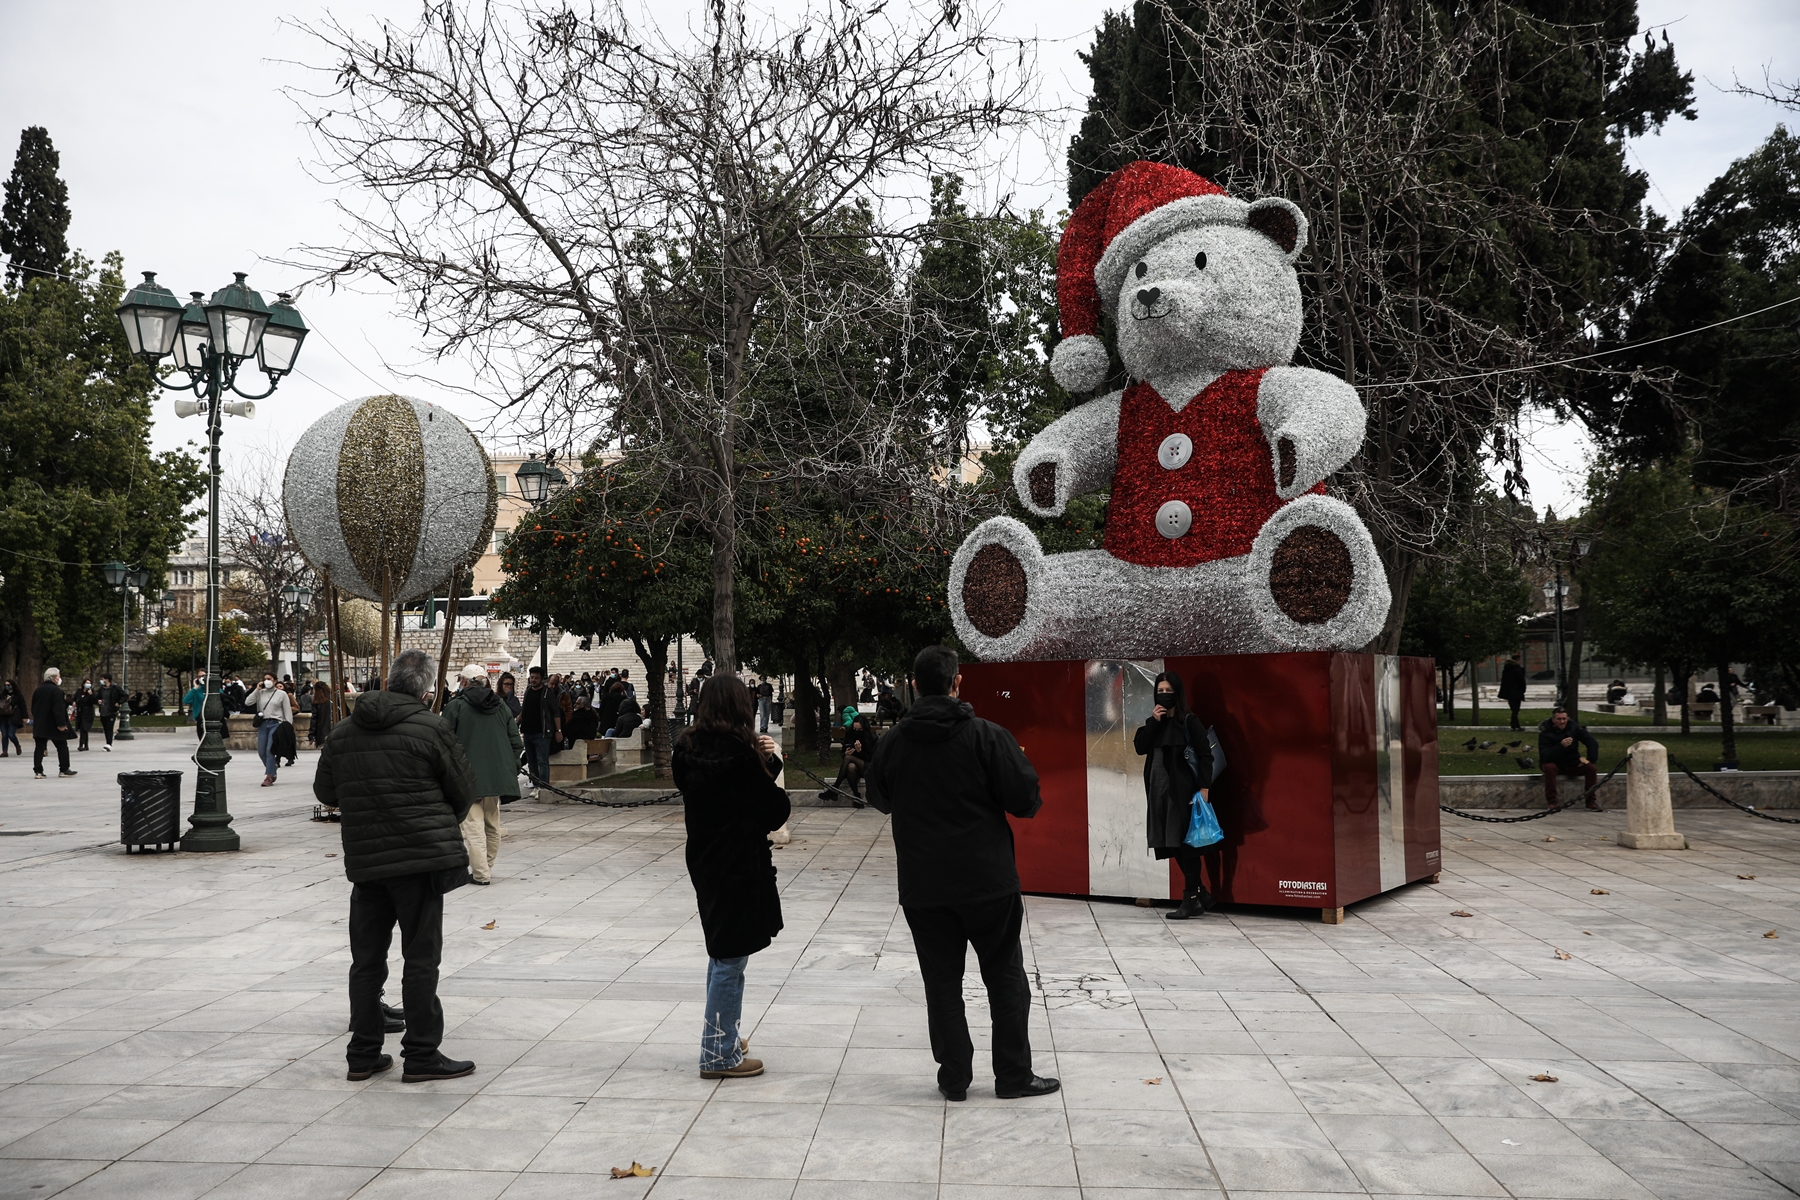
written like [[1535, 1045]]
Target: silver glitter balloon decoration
[[389, 494]]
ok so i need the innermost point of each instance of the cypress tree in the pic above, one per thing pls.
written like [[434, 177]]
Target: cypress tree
[[34, 222]]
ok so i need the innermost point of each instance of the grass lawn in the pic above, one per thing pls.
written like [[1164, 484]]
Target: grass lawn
[[1777, 751], [1498, 716], [165, 720]]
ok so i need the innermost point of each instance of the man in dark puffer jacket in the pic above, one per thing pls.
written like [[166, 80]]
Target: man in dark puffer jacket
[[399, 777]]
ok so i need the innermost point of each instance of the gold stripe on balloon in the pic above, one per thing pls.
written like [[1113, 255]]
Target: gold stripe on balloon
[[381, 487]]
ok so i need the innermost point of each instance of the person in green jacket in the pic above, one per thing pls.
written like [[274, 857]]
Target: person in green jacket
[[195, 702], [491, 739]]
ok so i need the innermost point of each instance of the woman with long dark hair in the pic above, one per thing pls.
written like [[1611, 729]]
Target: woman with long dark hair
[[508, 691], [727, 775], [1171, 778]]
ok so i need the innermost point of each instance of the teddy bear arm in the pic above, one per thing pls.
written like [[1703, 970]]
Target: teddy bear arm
[[1071, 456], [1314, 423]]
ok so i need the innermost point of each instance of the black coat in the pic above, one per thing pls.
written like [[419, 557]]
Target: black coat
[[1512, 681], [1566, 758], [948, 779], [1169, 785], [49, 711], [398, 774], [731, 802], [112, 696]]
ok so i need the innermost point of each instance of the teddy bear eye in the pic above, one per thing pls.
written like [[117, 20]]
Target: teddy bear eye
[[1200, 261], [1143, 269]]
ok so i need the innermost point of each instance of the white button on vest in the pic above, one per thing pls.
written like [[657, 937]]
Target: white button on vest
[[1174, 519], [1176, 449]]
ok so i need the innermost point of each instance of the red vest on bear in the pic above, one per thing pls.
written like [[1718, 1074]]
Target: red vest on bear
[[1224, 475]]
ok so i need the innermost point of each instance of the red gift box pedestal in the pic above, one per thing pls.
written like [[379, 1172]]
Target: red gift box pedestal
[[1330, 793]]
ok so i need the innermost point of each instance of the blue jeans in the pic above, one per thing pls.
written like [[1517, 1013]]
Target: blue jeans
[[537, 756], [9, 735], [724, 1008], [762, 714], [265, 742]]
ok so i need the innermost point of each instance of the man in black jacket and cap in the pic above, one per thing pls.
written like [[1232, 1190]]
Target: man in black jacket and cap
[[948, 779], [398, 776], [1560, 745], [50, 723]]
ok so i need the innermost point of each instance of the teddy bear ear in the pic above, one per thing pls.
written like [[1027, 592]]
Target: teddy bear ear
[[1282, 222]]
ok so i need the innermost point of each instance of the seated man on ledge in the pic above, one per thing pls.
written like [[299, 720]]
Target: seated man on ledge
[[1560, 745]]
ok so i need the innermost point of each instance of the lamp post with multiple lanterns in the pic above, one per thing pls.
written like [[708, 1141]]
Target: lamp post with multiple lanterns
[[209, 341], [125, 580]]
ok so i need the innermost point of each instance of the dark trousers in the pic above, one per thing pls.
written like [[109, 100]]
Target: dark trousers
[[537, 756], [1188, 859], [413, 902], [108, 724], [1585, 770], [61, 738], [1514, 705], [83, 727], [941, 937]]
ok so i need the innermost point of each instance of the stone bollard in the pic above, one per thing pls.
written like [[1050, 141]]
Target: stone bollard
[[1649, 820]]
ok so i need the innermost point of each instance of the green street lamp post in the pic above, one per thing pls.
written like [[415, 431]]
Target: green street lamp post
[[209, 341], [125, 580], [534, 487], [299, 599]]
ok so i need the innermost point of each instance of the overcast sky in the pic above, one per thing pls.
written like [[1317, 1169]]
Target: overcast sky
[[181, 151]]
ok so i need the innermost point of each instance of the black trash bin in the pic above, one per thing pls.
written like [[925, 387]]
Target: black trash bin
[[149, 809]]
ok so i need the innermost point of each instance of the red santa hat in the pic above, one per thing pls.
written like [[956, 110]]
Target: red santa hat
[[1134, 208]]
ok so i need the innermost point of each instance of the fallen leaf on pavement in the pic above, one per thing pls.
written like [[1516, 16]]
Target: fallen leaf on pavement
[[1746, 877], [635, 1170], [1598, 892], [331, 856], [1549, 839], [1543, 1078], [1510, 1142], [1158, 1079], [1586, 933], [1564, 954], [491, 924], [1460, 913], [1771, 933]]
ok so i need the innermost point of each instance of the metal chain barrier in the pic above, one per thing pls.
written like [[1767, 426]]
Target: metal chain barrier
[[542, 785], [855, 800], [1587, 794], [1716, 794]]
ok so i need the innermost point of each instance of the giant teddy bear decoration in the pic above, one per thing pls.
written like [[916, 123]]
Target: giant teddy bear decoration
[[1219, 535]]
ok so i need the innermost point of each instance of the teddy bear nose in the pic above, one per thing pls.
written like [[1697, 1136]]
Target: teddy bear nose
[[1149, 296]]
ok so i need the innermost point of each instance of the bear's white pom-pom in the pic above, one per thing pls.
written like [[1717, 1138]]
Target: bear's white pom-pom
[[1079, 363]]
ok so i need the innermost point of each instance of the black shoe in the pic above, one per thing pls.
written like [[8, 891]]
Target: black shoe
[[961, 1093], [480, 882], [67, 774], [1192, 906], [437, 1068], [358, 1074], [1039, 1086]]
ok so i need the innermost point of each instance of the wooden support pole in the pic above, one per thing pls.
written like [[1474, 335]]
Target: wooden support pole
[[387, 580], [450, 608]]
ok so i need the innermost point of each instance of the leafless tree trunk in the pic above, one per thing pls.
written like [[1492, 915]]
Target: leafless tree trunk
[[642, 238]]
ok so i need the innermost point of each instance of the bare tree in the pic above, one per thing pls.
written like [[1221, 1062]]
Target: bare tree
[[670, 244], [265, 560]]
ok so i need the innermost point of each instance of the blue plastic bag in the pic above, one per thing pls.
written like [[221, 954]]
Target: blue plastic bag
[[1203, 824]]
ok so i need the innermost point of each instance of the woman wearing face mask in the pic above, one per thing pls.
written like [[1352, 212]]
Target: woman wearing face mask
[[1170, 783], [508, 691], [271, 708]]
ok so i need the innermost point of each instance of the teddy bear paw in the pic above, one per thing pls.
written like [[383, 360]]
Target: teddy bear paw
[[1315, 580]]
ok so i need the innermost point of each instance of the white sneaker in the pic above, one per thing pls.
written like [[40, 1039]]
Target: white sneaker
[[108, 749]]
